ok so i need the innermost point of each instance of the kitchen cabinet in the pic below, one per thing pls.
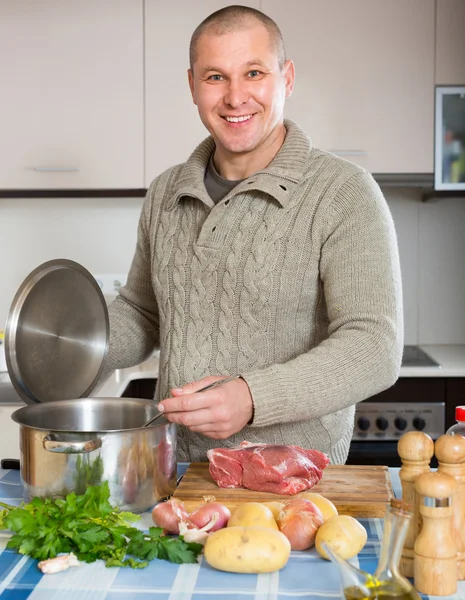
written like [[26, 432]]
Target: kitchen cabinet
[[173, 127], [72, 94], [450, 42], [364, 78], [9, 431]]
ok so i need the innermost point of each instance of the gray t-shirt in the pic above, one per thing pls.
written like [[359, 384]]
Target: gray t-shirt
[[217, 186]]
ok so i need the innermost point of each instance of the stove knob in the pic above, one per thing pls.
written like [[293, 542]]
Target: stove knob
[[363, 423], [400, 423], [419, 423], [382, 423]]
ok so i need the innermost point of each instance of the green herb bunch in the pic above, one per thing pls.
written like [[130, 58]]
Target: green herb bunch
[[87, 473], [90, 527]]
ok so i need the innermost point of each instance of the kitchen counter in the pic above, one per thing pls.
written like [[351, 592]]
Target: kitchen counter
[[450, 357], [306, 576]]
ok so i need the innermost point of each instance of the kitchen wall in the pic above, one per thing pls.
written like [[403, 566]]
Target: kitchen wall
[[432, 249], [100, 233]]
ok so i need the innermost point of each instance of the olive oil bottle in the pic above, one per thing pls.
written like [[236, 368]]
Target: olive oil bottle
[[388, 591], [387, 583]]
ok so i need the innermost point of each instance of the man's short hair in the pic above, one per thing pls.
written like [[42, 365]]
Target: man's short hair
[[234, 18]]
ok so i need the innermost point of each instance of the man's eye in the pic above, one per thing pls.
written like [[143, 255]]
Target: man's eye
[[215, 77], [254, 73]]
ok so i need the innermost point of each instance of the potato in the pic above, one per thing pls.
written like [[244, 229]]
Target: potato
[[275, 507], [343, 534], [247, 550], [252, 514], [328, 510]]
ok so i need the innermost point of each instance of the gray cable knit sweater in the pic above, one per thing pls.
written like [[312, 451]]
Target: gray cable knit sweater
[[292, 280]]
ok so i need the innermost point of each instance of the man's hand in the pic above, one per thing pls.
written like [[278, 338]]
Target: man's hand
[[216, 413]]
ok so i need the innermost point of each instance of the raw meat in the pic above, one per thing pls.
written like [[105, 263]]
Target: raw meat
[[267, 467]]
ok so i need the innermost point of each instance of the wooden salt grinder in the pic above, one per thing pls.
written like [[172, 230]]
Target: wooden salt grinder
[[450, 452], [416, 449], [435, 550]]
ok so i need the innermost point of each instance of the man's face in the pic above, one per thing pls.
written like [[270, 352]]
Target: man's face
[[239, 88]]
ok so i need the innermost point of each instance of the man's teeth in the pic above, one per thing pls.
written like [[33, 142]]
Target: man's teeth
[[238, 119]]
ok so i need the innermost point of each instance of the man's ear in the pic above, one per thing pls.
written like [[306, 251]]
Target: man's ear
[[190, 76], [289, 76]]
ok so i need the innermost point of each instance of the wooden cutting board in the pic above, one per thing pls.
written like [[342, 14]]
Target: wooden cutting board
[[359, 491]]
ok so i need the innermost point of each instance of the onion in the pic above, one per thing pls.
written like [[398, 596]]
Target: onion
[[299, 520], [204, 514], [169, 514]]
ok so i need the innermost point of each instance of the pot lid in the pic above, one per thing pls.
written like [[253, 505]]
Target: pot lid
[[57, 333]]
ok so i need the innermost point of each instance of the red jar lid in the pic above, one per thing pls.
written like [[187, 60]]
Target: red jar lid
[[460, 413]]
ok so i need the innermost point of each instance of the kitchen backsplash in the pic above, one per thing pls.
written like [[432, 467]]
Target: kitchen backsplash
[[432, 249], [100, 233]]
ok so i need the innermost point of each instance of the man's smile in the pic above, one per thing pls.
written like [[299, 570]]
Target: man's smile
[[238, 119]]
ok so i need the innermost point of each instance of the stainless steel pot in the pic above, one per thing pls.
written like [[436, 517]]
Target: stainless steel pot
[[67, 445]]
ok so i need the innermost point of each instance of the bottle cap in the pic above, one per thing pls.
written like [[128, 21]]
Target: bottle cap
[[460, 413]]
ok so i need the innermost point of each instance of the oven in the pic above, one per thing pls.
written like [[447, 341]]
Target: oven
[[412, 404]]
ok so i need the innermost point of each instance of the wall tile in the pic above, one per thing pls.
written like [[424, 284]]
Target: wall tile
[[441, 286], [99, 233], [405, 205]]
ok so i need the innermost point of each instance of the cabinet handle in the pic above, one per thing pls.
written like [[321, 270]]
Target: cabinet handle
[[349, 152], [54, 169]]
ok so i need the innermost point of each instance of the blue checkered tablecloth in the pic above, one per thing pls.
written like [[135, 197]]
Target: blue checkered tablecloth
[[305, 577]]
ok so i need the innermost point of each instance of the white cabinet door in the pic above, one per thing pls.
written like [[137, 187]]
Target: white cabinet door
[[71, 78], [364, 78], [9, 431], [173, 127], [450, 42]]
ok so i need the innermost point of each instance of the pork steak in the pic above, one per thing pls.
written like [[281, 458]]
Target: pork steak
[[267, 467]]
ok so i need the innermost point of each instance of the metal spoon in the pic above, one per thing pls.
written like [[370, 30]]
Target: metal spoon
[[204, 389]]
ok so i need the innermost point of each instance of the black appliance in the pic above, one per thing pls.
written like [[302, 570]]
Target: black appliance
[[412, 404]]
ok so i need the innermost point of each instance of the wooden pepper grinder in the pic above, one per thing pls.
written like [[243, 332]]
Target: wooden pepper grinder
[[415, 449], [435, 558], [450, 452]]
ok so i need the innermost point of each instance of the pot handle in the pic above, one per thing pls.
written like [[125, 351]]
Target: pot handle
[[62, 447]]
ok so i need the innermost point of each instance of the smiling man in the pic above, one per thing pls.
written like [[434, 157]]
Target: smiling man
[[239, 80], [263, 257]]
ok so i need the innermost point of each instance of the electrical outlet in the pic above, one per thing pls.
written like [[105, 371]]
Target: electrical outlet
[[109, 283]]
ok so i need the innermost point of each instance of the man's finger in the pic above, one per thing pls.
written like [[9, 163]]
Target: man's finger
[[211, 432], [195, 386], [185, 403], [209, 428], [191, 419]]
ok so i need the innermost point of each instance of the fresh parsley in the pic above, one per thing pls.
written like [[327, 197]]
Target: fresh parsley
[[90, 527]]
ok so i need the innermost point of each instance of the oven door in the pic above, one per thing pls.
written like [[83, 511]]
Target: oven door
[[377, 453], [374, 453]]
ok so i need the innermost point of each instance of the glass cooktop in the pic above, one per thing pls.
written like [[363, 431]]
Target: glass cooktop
[[414, 356]]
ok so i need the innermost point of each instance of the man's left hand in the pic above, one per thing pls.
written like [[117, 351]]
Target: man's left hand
[[217, 413]]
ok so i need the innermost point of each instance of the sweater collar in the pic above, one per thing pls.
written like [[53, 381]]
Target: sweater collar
[[278, 180]]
